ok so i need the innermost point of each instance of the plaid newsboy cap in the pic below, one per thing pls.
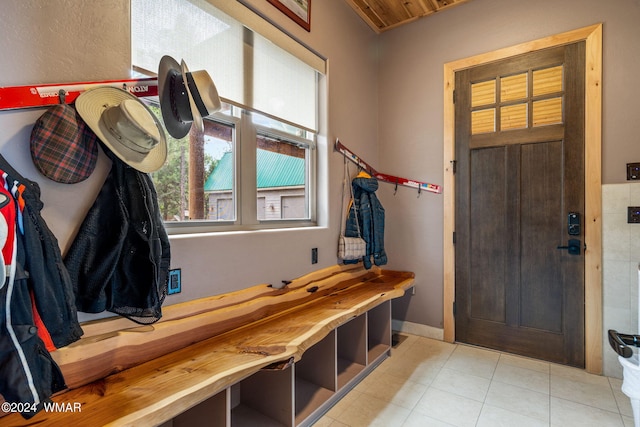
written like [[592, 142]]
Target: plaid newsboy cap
[[63, 147]]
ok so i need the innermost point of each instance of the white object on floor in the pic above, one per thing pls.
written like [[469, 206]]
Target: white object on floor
[[631, 374], [631, 384]]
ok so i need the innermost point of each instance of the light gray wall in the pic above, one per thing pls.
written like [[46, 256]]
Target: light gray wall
[[58, 41], [619, 267], [55, 42], [411, 111]]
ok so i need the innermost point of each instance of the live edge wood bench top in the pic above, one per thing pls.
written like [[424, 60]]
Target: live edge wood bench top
[[126, 374]]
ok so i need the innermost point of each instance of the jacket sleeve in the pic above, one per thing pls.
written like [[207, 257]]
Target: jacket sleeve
[[93, 256], [379, 254], [29, 374]]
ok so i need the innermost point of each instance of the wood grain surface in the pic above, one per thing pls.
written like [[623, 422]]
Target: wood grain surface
[[124, 374]]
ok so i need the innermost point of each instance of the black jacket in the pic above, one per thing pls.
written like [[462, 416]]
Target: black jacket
[[36, 298], [119, 260]]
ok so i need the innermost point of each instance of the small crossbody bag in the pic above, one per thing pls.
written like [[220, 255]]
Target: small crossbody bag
[[350, 248]]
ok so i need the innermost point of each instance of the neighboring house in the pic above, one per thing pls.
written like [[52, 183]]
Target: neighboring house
[[281, 187]]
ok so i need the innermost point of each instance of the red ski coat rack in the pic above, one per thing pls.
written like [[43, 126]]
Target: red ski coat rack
[[17, 97], [432, 188]]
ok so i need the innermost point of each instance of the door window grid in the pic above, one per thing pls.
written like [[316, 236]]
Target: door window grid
[[526, 100]]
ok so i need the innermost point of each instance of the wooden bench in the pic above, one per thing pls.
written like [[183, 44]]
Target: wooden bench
[[232, 357]]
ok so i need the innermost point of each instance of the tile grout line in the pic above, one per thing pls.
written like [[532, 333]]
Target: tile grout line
[[493, 374], [493, 381], [615, 399], [549, 420]]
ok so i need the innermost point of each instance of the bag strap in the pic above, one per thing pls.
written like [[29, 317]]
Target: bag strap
[[355, 207], [344, 186], [347, 176]]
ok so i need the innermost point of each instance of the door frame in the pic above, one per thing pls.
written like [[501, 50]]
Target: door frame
[[592, 35]]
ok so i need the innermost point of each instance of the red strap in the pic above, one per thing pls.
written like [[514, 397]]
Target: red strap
[[43, 333]]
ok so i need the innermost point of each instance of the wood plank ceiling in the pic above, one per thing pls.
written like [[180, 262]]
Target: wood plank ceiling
[[383, 15]]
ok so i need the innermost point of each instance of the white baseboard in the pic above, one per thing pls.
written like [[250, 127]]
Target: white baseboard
[[417, 329]]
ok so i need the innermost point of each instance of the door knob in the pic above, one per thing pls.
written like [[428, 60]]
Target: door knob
[[573, 247]]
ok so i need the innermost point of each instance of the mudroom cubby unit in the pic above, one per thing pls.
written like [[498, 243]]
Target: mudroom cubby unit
[[300, 393], [256, 357]]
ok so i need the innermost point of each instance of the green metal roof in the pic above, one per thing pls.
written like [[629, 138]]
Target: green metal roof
[[222, 176], [274, 170]]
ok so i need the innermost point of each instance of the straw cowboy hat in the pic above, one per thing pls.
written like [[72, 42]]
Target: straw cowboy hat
[[185, 96], [62, 147], [125, 125]]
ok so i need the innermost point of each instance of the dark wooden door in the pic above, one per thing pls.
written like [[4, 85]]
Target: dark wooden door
[[520, 175]]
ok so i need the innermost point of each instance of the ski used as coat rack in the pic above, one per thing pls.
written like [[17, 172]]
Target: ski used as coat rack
[[432, 188], [17, 97]]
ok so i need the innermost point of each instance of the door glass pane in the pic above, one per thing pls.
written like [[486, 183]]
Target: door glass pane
[[483, 121], [483, 93], [547, 80], [513, 87], [513, 117], [547, 112]]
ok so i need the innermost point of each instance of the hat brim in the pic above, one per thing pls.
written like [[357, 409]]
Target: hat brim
[[197, 117], [92, 103], [167, 69]]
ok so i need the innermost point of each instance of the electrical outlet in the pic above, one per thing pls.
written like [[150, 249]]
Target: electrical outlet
[[633, 214], [314, 255], [175, 281], [633, 171]]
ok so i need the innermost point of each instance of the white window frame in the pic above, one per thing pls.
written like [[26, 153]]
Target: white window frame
[[245, 189], [245, 142]]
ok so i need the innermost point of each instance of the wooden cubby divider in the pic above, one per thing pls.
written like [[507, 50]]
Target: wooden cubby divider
[[315, 377], [352, 349], [378, 331]]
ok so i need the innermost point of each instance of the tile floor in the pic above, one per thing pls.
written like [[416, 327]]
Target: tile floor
[[429, 383]]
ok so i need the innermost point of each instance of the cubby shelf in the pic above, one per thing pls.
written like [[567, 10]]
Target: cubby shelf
[[300, 393]]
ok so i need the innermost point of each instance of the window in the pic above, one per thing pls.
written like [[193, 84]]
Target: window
[[255, 165], [181, 182], [282, 177]]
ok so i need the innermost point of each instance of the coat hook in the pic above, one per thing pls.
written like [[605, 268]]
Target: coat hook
[[62, 96], [419, 190], [396, 189]]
